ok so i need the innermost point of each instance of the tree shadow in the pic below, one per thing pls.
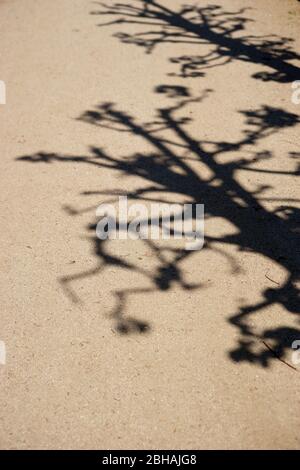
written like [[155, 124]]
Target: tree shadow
[[167, 169], [211, 26]]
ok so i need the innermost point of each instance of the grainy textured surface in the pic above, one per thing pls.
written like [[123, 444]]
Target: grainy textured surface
[[70, 379]]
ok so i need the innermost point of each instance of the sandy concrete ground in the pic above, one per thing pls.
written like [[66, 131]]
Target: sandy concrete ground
[[205, 354]]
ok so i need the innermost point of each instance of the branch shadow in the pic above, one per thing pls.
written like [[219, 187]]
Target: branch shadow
[[167, 170], [223, 31]]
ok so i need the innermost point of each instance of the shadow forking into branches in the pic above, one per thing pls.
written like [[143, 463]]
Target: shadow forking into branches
[[166, 169], [209, 26]]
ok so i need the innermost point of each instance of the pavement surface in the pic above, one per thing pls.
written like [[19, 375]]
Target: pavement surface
[[136, 343]]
